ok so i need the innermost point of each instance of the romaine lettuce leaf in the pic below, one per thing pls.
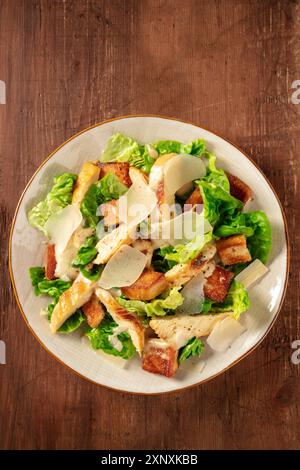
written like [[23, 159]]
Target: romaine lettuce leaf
[[106, 189], [58, 198], [54, 289], [99, 338], [121, 148], [187, 252], [196, 147], [218, 203], [237, 301], [234, 226], [86, 253], [215, 175], [194, 347], [156, 307], [42, 285]]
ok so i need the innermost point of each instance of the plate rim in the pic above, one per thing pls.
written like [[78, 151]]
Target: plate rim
[[200, 382]]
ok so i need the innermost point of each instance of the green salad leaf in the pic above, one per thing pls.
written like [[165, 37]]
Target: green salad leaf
[[234, 226], [215, 175], [196, 147], [73, 323], [92, 273], [218, 203], [106, 189], [42, 285], [121, 148], [58, 198], [237, 301], [156, 307], [194, 347], [86, 253], [188, 251], [160, 262], [54, 289], [99, 338]]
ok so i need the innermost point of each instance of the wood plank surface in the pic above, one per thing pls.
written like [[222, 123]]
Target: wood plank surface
[[225, 64]]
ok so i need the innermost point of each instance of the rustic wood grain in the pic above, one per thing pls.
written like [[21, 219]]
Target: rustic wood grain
[[225, 64]]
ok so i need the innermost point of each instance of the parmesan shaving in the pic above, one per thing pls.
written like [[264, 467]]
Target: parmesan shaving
[[252, 273], [224, 333], [181, 170], [123, 268]]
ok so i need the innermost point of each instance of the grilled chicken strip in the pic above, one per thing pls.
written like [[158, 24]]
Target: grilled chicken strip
[[146, 247], [110, 243], [156, 183], [88, 175], [70, 300], [123, 318], [178, 330], [181, 273]]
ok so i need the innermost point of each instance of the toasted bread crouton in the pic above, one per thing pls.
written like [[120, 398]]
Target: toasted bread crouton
[[111, 243], [239, 189], [233, 250], [50, 261], [110, 212], [121, 170], [160, 358], [93, 311], [194, 198], [217, 285], [181, 273], [146, 247], [149, 285], [88, 175], [178, 330], [123, 318]]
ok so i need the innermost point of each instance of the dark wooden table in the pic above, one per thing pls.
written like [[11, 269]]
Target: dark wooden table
[[228, 65]]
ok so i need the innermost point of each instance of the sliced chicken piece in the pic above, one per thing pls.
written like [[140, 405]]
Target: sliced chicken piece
[[149, 285], [217, 285], [156, 183], [110, 212], [181, 273], [88, 175], [233, 250], [123, 318], [160, 358], [121, 170], [239, 189], [64, 269], [178, 330], [70, 300], [112, 242], [50, 261], [93, 311], [137, 175], [146, 247]]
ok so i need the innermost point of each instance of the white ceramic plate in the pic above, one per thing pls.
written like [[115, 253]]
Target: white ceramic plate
[[26, 249]]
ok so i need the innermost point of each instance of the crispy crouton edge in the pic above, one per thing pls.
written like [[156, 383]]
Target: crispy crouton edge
[[170, 119]]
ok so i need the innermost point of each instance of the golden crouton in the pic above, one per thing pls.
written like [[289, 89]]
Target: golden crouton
[[121, 170], [93, 311], [194, 198], [233, 250], [160, 358], [88, 175], [50, 262], [149, 285], [217, 285], [239, 189]]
